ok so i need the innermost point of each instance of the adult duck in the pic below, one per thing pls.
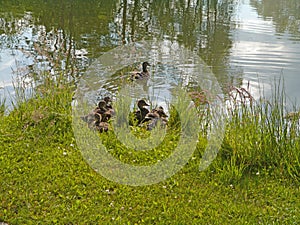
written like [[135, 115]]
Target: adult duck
[[141, 113], [143, 74]]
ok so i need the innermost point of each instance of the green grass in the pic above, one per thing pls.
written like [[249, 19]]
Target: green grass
[[45, 180]]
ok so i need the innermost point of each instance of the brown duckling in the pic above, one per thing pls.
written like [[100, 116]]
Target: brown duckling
[[97, 117], [143, 74], [108, 106], [98, 125], [89, 118], [105, 113], [101, 107], [107, 99], [92, 122], [156, 115], [153, 123]]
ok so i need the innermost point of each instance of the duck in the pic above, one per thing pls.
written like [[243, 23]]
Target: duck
[[156, 115], [89, 118], [107, 99], [141, 113], [143, 74], [99, 125], [97, 119], [106, 113], [160, 111], [101, 107], [92, 123], [108, 106]]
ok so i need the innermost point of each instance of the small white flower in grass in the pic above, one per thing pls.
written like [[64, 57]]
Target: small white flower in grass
[[257, 173], [164, 186], [72, 145], [64, 153]]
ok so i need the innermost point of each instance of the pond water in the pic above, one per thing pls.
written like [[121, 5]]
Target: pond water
[[250, 41]]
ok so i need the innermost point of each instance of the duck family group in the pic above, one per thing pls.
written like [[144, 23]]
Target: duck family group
[[98, 119], [150, 118]]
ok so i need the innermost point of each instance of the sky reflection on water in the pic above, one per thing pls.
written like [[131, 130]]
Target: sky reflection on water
[[257, 48]]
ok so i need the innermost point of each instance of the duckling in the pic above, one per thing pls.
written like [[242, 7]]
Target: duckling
[[98, 125], [89, 118], [141, 112], [143, 74], [105, 113], [153, 123], [160, 111], [108, 106], [97, 118], [101, 107], [156, 115], [107, 99], [92, 122]]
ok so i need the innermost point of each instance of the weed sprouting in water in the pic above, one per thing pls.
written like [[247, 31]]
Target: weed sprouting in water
[[259, 137], [2, 106]]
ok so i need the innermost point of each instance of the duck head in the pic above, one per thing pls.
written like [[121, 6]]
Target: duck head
[[145, 64], [141, 103], [107, 99], [102, 104], [161, 112]]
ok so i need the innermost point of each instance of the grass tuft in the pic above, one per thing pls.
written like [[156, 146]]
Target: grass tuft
[[44, 178]]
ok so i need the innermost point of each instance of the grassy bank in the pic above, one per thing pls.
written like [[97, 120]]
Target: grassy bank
[[45, 180]]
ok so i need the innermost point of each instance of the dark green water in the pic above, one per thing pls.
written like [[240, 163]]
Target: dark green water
[[241, 41]]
